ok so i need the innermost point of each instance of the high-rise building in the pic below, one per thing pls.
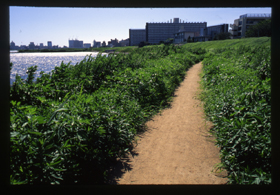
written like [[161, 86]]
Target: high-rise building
[[156, 32], [49, 44]]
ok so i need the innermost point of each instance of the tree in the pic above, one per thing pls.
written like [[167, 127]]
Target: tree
[[169, 41], [189, 39], [261, 29], [143, 43]]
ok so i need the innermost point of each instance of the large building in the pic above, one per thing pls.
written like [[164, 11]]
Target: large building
[[156, 32], [31, 45], [96, 44], [76, 44], [136, 36], [212, 31], [113, 43], [240, 26]]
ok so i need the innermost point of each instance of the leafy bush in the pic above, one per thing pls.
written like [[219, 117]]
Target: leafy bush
[[69, 126], [237, 99], [263, 28]]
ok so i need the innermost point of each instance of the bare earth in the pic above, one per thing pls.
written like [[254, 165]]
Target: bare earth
[[177, 147]]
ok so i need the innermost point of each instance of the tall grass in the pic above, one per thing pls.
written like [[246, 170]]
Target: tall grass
[[237, 98], [69, 126]]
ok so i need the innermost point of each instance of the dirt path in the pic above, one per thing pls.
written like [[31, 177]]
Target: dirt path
[[177, 148]]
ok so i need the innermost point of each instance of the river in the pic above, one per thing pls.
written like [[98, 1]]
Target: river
[[46, 61]]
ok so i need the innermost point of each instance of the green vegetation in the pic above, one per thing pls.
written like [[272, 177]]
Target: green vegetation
[[222, 36], [261, 29], [69, 126], [237, 98], [231, 43]]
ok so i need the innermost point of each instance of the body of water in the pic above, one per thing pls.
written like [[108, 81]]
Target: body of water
[[45, 61]]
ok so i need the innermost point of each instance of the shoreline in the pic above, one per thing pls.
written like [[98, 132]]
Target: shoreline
[[100, 49]]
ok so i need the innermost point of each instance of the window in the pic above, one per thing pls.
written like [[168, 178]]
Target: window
[[250, 21], [240, 23]]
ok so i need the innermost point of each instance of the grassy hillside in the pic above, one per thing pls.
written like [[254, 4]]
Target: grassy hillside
[[232, 43], [117, 49]]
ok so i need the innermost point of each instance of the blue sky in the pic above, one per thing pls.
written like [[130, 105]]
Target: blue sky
[[42, 24]]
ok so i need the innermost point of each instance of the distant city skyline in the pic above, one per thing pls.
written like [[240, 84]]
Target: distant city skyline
[[43, 24]]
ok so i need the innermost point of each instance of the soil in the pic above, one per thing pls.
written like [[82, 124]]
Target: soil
[[177, 147]]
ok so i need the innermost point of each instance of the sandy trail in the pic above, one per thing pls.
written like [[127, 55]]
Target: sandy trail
[[177, 148]]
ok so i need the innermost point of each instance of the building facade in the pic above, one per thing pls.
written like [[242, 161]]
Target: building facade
[[182, 36], [49, 44], [212, 31], [234, 29], [87, 45], [113, 43], [124, 42], [156, 32], [136, 36], [76, 44], [240, 26], [96, 43], [12, 45], [31, 45]]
